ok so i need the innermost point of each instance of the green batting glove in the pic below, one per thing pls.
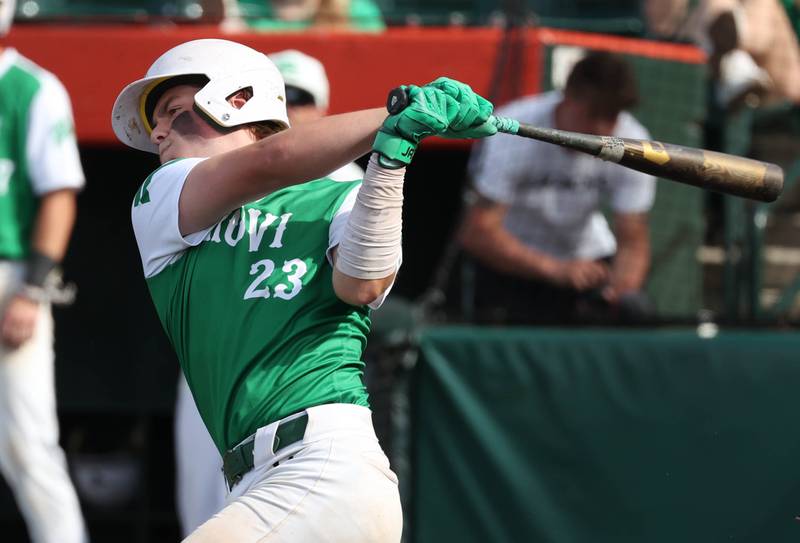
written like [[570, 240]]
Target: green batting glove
[[474, 111], [429, 112]]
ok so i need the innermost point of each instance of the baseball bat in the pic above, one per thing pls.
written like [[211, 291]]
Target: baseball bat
[[720, 172]]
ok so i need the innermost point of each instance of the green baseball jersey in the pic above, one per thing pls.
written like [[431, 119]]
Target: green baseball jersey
[[249, 304], [38, 151]]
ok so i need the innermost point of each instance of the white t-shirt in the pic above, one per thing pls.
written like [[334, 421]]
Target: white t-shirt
[[555, 196]]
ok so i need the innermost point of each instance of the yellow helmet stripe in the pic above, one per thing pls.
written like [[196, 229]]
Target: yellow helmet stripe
[[143, 102]]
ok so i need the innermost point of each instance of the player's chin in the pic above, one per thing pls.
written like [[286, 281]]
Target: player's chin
[[166, 155]]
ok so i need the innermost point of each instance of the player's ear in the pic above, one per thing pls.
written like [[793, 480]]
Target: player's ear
[[239, 98]]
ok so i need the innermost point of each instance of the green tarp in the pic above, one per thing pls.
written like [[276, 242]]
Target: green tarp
[[605, 436]]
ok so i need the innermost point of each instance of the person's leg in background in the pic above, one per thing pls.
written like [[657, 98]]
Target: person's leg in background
[[31, 459], [199, 485]]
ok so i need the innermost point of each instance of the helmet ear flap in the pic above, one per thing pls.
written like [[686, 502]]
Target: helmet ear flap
[[267, 101], [211, 122]]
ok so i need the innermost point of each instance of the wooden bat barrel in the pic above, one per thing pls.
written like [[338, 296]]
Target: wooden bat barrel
[[710, 170], [720, 172]]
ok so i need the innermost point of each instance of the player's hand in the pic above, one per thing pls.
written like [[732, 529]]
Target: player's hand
[[610, 294], [581, 274], [474, 111], [18, 321], [429, 112]]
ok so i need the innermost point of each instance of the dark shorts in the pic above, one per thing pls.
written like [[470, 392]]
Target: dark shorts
[[504, 299]]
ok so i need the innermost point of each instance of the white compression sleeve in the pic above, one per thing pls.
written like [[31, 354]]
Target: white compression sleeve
[[372, 240]]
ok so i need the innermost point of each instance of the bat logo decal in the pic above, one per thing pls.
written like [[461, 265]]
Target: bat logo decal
[[656, 156]]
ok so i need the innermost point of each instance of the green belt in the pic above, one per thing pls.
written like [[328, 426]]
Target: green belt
[[239, 460]]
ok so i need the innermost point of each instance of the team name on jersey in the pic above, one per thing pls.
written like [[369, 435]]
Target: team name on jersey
[[252, 222]]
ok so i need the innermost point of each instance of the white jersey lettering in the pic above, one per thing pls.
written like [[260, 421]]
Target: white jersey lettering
[[277, 243], [255, 230], [233, 222]]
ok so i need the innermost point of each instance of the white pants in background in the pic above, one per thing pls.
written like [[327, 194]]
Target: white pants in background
[[333, 486], [31, 459], [199, 485]]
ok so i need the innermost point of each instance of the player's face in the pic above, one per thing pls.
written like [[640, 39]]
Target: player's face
[[178, 130]]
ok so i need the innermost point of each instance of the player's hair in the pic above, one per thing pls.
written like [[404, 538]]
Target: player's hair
[[606, 81], [260, 129], [263, 129]]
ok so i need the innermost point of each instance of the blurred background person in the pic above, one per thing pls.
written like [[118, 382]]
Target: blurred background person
[[752, 47], [545, 251], [308, 96], [200, 487], [287, 15], [40, 172]]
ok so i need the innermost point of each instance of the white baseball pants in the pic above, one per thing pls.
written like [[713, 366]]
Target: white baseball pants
[[199, 484], [334, 486], [31, 459]]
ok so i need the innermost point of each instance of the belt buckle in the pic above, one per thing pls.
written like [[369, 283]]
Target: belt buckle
[[235, 461], [290, 431]]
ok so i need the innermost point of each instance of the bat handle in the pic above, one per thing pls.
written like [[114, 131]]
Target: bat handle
[[398, 100], [505, 125]]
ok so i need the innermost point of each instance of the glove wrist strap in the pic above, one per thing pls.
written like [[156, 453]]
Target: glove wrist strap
[[394, 152]]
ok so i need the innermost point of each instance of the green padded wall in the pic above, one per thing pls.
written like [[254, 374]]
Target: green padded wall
[[605, 436]]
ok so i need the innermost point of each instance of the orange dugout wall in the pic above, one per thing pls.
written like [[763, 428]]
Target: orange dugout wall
[[95, 62]]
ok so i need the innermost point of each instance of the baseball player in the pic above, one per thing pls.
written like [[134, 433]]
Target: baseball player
[[40, 172], [263, 272], [200, 490]]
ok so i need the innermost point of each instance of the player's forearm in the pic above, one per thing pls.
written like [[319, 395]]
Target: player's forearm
[[368, 255], [630, 268], [632, 261], [311, 150], [54, 222]]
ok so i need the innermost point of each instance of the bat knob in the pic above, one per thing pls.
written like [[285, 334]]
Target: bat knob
[[397, 100]]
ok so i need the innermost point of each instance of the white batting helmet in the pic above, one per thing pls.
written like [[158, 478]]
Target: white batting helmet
[[304, 72], [7, 10], [228, 66]]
